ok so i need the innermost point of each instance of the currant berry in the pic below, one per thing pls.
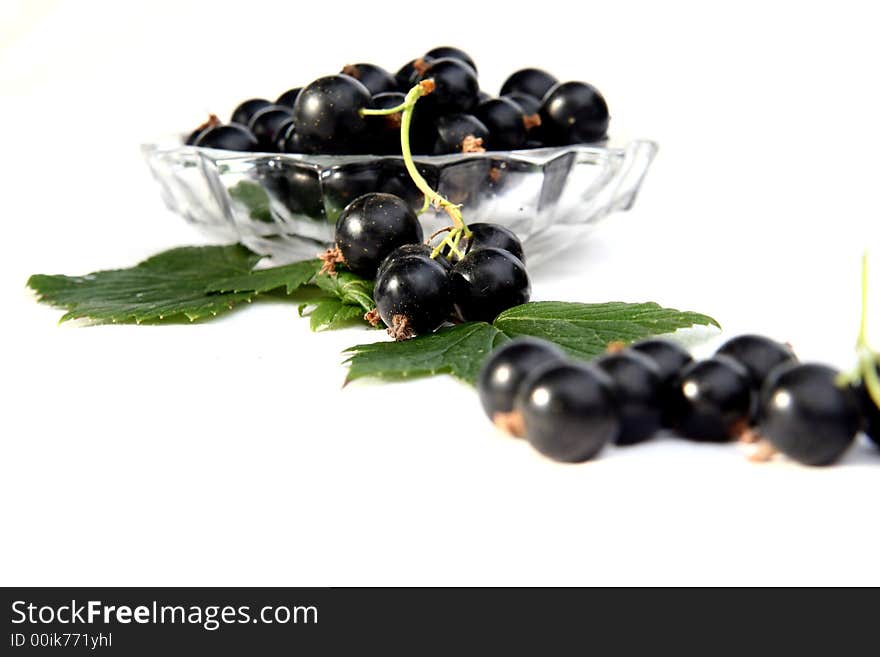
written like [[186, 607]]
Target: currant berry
[[375, 78], [455, 87], [327, 114], [531, 81], [279, 140], [291, 141], [412, 296], [487, 282], [288, 98], [713, 399], [806, 415], [371, 227], [266, 122], [384, 131], [507, 367], [194, 135], [669, 358], [573, 113], [528, 104], [231, 137], [409, 73], [419, 249], [638, 392], [568, 411], [486, 235], [245, 112], [759, 355], [506, 123], [459, 133], [451, 53]]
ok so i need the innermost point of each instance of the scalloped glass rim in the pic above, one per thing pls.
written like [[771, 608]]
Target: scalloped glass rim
[[285, 205]]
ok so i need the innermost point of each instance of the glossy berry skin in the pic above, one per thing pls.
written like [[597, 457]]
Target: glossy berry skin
[[232, 137], [408, 74], [806, 415], [638, 393], [279, 140], [669, 358], [288, 98], [870, 412], [531, 81], [487, 282], [419, 249], [451, 53], [456, 87], [371, 227], [290, 141], [416, 288], [486, 235], [528, 104], [453, 129], [375, 78], [327, 114], [759, 355], [245, 112], [266, 123], [507, 367], [568, 411], [713, 399], [506, 124], [384, 131], [573, 113]]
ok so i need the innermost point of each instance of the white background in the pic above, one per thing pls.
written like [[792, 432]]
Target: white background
[[227, 453]]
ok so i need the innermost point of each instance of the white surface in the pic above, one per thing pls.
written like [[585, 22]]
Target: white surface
[[227, 453]]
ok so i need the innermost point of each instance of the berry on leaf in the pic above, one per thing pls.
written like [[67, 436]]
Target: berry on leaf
[[487, 282]]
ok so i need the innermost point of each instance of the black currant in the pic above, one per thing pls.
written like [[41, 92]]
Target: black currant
[[384, 131], [528, 104], [371, 227], [670, 358], [487, 282], [806, 415], [459, 133], [568, 411], [194, 135], [409, 73], [344, 183], [288, 98], [870, 411], [713, 399], [455, 87], [418, 248], [531, 81], [638, 391], [327, 114], [507, 367], [412, 295], [486, 235], [759, 355], [375, 78], [231, 137], [290, 141], [265, 124], [451, 53], [280, 139], [506, 122], [245, 112], [573, 113]]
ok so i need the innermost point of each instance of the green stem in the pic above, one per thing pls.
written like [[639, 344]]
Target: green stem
[[868, 359], [383, 112]]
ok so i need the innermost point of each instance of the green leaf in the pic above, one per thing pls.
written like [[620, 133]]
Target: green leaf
[[328, 314], [458, 350], [349, 288], [584, 330], [254, 198], [170, 285], [290, 277]]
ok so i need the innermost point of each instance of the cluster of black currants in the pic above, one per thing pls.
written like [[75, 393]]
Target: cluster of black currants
[[753, 389], [328, 116], [419, 287]]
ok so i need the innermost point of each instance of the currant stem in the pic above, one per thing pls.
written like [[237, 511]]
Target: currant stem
[[868, 359]]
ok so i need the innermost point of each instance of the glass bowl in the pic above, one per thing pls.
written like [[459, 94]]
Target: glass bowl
[[286, 205]]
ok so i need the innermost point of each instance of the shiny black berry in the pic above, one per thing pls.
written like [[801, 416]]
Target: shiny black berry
[[290, 141], [870, 412], [528, 104], [459, 133], [486, 235], [327, 115], [409, 73], [531, 81], [371, 227], [506, 123], [487, 282], [713, 399], [284, 129], [384, 131], [759, 355], [195, 134], [412, 295], [231, 137], [375, 78], [638, 392], [806, 415], [451, 53], [419, 249], [455, 87], [670, 358], [568, 411], [507, 367], [288, 98], [266, 123], [245, 112], [573, 113]]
